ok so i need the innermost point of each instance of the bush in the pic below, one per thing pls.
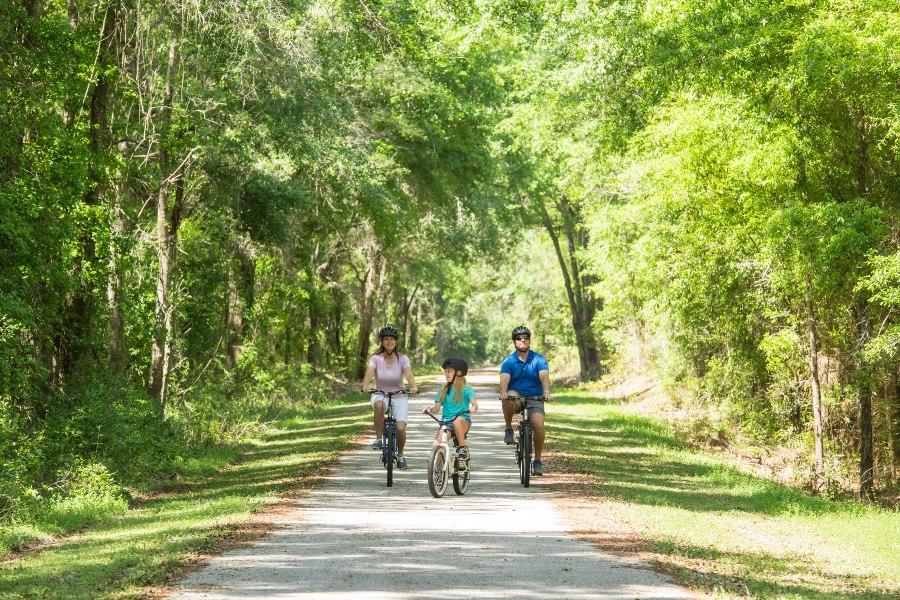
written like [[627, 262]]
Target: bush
[[87, 493]]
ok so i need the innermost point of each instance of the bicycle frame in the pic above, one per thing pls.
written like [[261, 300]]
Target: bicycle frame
[[389, 433], [445, 465], [525, 439]]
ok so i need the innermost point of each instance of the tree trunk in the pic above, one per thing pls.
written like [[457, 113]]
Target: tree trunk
[[864, 385], [588, 356], [241, 282], [172, 312], [80, 313], [368, 289], [408, 299], [814, 378], [892, 410], [115, 343], [163, 283]]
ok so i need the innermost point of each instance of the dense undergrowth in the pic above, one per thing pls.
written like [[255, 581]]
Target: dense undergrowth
[[102, 444]]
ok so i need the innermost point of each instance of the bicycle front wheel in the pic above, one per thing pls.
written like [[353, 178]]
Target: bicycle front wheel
[[525, 464], [461, 478], [437, 471], [390, 440]]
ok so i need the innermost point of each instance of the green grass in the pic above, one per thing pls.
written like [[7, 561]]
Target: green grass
[[127, 556], [721, 530]]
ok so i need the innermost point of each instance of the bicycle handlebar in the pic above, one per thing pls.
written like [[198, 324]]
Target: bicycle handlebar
[[403, 392], [442, 421]]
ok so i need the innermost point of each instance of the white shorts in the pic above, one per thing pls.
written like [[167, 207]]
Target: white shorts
[[400, 402]]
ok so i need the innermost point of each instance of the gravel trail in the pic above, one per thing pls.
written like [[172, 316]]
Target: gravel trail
[[355, 538]]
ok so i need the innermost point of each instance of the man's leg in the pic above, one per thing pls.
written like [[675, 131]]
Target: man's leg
[[510, 407], [537, 426]]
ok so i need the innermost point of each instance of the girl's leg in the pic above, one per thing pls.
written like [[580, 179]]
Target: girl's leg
[[461, 427]]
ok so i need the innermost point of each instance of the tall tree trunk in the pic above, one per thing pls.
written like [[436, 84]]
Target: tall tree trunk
[[864, 386], [115, 345], [79, 314], [241, 282], [163, 283], [814, 377], [334, 340], [892, 412], [413, 339], [408, 299], [588, 356], [368, 288], [172, 312], [586, 302]]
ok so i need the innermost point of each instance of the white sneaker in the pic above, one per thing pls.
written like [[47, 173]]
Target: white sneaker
[[376, 445]]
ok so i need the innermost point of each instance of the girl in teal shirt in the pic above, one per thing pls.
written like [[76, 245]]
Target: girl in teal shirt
[[458, 402]]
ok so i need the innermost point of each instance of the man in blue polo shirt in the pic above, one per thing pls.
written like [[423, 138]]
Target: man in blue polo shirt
[[525, 373]]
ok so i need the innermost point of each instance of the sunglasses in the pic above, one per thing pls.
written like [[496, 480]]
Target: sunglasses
[[522, 338]]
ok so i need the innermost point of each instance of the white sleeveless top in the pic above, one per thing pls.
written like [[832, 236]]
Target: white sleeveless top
[[389, 377]]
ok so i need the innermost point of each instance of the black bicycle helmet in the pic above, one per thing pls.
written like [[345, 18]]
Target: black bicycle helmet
[[456, 363], [388, 331], [521, 330]]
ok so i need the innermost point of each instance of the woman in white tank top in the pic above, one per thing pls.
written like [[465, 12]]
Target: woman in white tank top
[[388, 367]]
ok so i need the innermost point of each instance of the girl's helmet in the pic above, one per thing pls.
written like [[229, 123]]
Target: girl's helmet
[[457, 364], [521, 330], [388, 331]]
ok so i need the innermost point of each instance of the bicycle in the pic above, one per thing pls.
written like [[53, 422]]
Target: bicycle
[[441, 468], [389, 433], [525, 439]]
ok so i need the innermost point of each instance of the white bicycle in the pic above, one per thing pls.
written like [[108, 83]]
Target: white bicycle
[[445, 463]]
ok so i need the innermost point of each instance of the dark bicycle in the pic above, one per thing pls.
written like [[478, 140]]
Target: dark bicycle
[[445, 463], [389, 433], [525, 437]]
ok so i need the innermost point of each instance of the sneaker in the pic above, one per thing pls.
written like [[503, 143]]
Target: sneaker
[[508, 437], [537, 468], [376, 445], [401, 463], [463, 453]]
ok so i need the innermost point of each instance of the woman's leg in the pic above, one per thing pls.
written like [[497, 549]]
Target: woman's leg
[[378, 407]]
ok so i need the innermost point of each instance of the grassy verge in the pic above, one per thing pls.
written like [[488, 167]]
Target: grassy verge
[[126, 557], [720, 530]]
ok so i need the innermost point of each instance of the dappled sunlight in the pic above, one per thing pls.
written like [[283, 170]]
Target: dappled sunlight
[[356, 537]]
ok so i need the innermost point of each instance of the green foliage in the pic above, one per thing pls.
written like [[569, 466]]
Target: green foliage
[[723, 530]]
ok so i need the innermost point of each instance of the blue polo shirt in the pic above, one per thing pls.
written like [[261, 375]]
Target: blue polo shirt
[[523, 375]]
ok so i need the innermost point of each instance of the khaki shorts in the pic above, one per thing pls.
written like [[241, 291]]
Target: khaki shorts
[[400, 402], [534, 406]]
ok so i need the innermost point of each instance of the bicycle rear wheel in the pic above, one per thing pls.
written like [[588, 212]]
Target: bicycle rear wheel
[[461, 478], [437, 471], [390, 440], [525, 464]]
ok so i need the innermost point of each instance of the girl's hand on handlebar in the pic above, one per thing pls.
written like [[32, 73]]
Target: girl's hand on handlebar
[[548, 397], [413, 390]]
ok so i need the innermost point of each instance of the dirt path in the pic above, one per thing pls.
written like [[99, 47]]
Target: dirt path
[[355, 538]]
